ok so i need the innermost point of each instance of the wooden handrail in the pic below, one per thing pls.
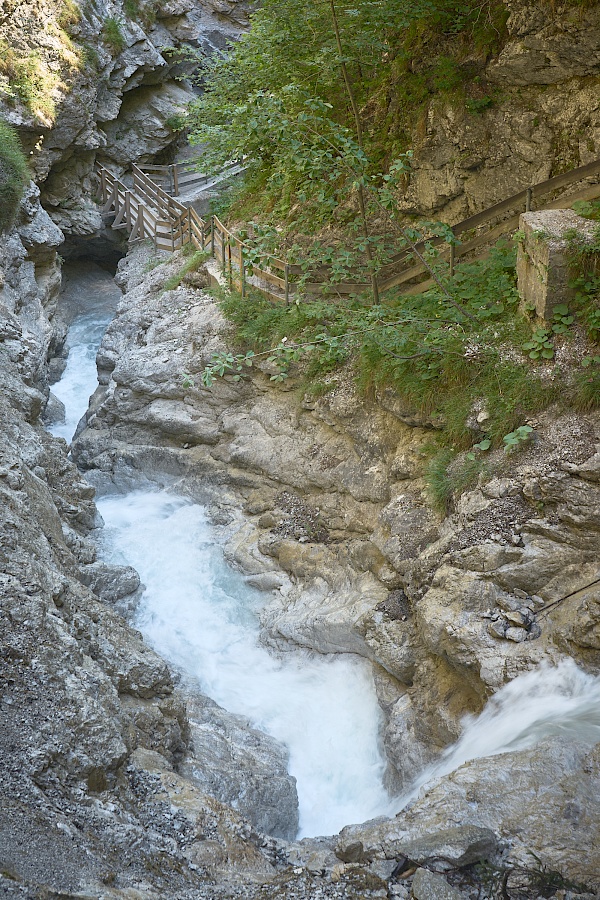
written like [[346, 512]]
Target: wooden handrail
[[146, 209]]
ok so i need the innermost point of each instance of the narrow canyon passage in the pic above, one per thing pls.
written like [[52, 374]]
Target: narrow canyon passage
[[201, 616]]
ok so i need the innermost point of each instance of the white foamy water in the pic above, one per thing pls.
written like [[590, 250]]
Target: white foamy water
[[201, 616], [549, 701], [90, 296]]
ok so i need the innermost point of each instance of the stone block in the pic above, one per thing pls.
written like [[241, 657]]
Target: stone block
[[542, 260]]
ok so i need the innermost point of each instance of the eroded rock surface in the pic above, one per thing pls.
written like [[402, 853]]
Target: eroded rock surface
[[338, 529]]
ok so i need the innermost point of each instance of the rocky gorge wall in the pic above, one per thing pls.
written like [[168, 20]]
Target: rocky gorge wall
[[532, 111], [98, 82], [322, 504]]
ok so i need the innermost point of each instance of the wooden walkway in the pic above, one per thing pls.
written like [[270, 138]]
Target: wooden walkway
[[148, 209]]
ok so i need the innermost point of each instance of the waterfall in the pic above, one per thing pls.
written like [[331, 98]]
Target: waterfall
[[202, 617], [549, 701]]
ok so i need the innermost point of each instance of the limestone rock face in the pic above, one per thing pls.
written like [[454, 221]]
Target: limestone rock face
[[336, 524], [543, 117], [545, 799], [105, 96], [91, 725]]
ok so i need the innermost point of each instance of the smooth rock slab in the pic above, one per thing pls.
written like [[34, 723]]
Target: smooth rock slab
[[429, 886]]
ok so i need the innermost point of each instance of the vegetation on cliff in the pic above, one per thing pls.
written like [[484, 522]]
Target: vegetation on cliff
[[287, 99], [14, 175], [324, 104]]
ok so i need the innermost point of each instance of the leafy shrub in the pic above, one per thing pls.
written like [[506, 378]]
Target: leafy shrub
[[191, 265], [69, 15], [14, 175]]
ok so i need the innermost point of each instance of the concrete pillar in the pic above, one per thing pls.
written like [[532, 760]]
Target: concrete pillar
[[542, 260]]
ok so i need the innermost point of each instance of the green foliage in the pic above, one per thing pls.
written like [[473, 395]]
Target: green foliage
[[90, 56], [540, 345], [145, 13], [589, 209], [447, 476], [30, 80], [478, 105], [112, 34], [517, 438], [587, 384], [278, 97], [69, 15], [561, 319], [421, 346], [14, 175], [192, 264]]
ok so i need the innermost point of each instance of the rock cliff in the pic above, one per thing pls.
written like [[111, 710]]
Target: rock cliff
[[533, 112], [322, 503], [87, 83], [115, 779]]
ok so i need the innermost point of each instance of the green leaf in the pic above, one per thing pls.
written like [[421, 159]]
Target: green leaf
[[547, 354]]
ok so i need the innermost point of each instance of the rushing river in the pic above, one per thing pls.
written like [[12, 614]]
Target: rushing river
[[201, 616], [88, 302]]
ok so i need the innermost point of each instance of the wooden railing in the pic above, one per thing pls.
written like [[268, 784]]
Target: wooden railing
[[178, 178], [146, 210]]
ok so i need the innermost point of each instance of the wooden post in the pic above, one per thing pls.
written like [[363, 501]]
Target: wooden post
[[242, 272], [212, 236], [222, 250], [451, 260], [528, 199], [128, 209], [229, 261], [286, 273], [141, 232], [103, 185]]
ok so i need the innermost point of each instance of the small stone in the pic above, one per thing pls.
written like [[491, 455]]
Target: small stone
[[497, 629], [383, 868], [267, 520], [521, 594], [534, 632], [537, 601], [518, 635], [517, 617], [508, 603]]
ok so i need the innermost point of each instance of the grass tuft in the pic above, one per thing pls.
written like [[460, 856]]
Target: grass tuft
[[14, 175], [112, 34]]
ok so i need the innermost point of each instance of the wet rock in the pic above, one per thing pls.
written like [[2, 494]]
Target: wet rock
[[242, 767], [110, 583]]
